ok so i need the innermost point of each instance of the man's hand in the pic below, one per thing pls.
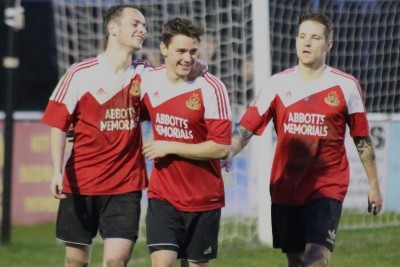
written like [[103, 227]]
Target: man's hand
[[156, 149], [226, 164], [199, 68], [56, 186], [374, 201], [144, 63]]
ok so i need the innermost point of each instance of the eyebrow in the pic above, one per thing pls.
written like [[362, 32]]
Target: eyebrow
[[140, 22]]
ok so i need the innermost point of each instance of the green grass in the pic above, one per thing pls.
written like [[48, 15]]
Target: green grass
[[35, 246]]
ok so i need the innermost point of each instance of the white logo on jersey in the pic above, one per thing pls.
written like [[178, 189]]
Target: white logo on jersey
[[172, 126], [306, 124], [119, 119]]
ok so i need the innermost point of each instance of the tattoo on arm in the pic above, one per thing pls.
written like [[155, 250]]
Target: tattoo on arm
[[365, 148], [243, 135]]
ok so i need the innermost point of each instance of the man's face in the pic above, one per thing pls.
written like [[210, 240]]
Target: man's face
[[131, 29], [312, 44], [180, 56]]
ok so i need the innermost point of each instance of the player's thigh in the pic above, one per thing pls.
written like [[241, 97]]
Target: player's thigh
[[287, 228], [321, 220], [117, 251], [120, 216], [77, 220], [163, 258], [201, 236], [77, 255], [164, 226]]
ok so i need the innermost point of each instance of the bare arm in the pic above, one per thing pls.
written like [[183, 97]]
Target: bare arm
[[241, 137], [57, 148], [203, 151], [366, 152]]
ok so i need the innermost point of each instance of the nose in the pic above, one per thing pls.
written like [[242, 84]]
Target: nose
[[142, 29], [187, 57], [307, 41]]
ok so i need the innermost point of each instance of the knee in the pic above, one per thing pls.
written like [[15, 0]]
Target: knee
[[116, 262], [295, 259], [317, 255], [71, 261]]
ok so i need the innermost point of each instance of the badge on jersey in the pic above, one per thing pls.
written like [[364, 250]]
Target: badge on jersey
[[332, 99], [193, 102], [135, 86]]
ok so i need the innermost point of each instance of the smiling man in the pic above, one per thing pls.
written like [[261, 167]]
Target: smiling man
[[310, 105], [192, 130], [101, 185]]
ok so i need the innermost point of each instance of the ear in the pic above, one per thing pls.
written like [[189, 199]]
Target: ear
[[329, 45], [163, 49], [112, 28]]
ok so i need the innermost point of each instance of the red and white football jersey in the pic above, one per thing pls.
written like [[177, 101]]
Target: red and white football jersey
[[104, 110], [191, 112], [310, 121]]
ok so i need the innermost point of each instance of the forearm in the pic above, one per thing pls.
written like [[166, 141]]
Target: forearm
[[366, 152], [241, 137], [208, 150], [57, 148]]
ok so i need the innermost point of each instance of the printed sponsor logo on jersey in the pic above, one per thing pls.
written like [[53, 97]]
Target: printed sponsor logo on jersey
[[100, 91], [135, 88], [332, 99], [117, 119], [172, 127], [332, 236], [306, 124], [194, 102]]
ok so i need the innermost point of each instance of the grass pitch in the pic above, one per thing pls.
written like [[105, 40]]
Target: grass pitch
[[35, 246]]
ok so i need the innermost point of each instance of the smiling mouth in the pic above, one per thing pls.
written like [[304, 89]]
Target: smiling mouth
[[185, 66], [140, 38]]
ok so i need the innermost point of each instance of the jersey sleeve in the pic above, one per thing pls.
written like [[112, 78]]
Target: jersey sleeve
[[357, 121], [260, 111], [62, 103], [217, 113]]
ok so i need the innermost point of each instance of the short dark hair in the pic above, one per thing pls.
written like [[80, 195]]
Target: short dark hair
[[114, 13], [182, 26], [320, 18]]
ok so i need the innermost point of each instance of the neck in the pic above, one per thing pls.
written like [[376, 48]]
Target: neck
[[310, 73], [175, 79], [118, 60]]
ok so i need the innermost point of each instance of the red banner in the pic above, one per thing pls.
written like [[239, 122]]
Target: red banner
[[31, 200]]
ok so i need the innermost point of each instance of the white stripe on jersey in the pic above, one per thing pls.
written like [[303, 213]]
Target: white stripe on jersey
[[66, 80], [219, 92], [290, 87]]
